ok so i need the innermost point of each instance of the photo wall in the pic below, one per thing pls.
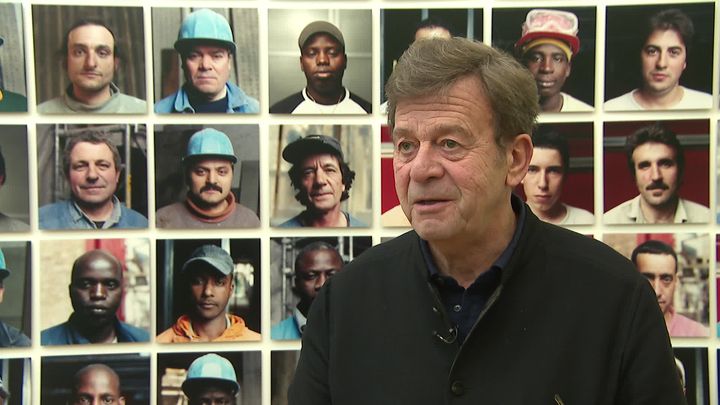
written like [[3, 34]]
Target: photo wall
[[172, 176]]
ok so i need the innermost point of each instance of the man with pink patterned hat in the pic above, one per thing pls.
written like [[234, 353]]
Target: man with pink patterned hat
[[549, 42]]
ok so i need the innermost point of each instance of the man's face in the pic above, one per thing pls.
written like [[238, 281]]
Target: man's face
[[211, 395], [660, 270], [314, 269], [323, 61], [550, 67], [210, 181], [656, 173], [96, 290], [97, 386], [211, 290], [90, 60], [450, 175], [663, 61], [2, 290], [92, 175], [208, 68], [322, 182], [544, 180]]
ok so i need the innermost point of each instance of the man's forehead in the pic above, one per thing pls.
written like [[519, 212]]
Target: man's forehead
[[312, 41], [655, 149], [91, 35], [207, 47], [211, 163], [98, 149], [655, 262], [321, 157], [318, 257], [666, 34]]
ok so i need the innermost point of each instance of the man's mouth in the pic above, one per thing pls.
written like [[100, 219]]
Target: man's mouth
[[545, 83], [207, 305], [658, 77]]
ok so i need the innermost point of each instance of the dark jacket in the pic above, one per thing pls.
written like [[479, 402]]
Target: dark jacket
[[12, 337], [572, 323], [67, 334]]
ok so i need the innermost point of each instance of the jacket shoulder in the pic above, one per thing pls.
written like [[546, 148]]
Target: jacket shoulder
[[288, 104]]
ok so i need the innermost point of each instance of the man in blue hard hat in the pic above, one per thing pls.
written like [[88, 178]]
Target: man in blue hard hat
[[211, 379], [210, 202], [9, 336], [205, 44], [11, 101]]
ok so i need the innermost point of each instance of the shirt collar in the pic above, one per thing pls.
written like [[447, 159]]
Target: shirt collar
[[77, 214], [76, 105]]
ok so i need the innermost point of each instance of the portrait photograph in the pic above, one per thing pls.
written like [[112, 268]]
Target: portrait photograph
[[656, 172], [15, 294], [692, 365], [305, 81], [208, 290], [677, 266], [16, 381], [186, 378], [206, 60], [320, 175], [89, 59], [95, 291], [282, 370], [92, 176], [14, 179], [300, 266], [207, 176], [659, 57], [13, 88], [76, 379]]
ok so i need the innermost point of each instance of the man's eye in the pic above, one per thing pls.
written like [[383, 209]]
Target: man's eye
[[449, 144], [558, 58], [405, 147]]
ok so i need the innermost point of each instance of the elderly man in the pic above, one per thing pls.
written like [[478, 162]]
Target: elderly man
[[96, 384], [211, 379], [92, 167], [663, 57], [322, 180], [210, 202], [323, 61], [481, 297], [657, 261], [206, 46], [656, 160], [549, 42], [314, 265], [90, 58], [96, 291], [11, 101], [209, 282], [9, 335]]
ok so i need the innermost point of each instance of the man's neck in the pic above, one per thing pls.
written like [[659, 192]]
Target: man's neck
[[652, 100], [329, 97], [663, 214], [554, 215], [212, 211], [99, 212], [551, 104], [465, 258], [209, 330], [328, 219], [96, 334], [204, 97], [92, 98]]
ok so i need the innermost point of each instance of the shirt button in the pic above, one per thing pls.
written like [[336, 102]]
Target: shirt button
[[457, 308], [457, 388]]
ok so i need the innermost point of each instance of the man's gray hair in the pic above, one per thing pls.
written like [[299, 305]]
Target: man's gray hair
[[433, 66]]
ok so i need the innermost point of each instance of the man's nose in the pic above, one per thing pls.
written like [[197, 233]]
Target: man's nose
[[322, 58], [320, 281], [425, 164], [207, 289], [655, 172], [547, 65], [662, 60], [320, 177], [543, 181], [205, 62], [98, 291], [92, 172], [90, 60]]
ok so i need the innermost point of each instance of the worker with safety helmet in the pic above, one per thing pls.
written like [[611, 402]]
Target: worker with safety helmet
[[9, 336], [210, 202], [211, 379], [205, 44]]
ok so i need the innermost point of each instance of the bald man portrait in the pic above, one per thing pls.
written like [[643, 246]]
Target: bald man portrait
[[96, 384]]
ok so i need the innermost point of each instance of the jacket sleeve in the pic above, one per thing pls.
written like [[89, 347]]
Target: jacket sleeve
[[310, 386], [648, 375]]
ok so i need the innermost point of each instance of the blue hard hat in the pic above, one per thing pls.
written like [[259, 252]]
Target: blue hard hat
[[204, 25], [207, 369], [4, 272], [211, 143]]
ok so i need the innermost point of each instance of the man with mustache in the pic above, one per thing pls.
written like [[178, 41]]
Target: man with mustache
[[663, 57], [91, 58], [92, 167], [206, 46], [208, 276], [96, 291], [210, 202], [323, 61], [656, 160], [322, 180]]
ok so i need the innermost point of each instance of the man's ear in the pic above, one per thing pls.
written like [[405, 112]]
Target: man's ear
[[302, 69], [117, 64], [519, 153], [121, 400]]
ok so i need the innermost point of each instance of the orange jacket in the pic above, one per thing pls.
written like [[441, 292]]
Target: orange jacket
[[182, 332]]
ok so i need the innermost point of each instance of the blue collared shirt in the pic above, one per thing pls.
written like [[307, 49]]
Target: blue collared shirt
[[463, 306], [66, 334], [66, 214], [179, 102]]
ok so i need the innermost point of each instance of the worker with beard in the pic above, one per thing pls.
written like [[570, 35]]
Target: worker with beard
[[208, 276], [96, 291]]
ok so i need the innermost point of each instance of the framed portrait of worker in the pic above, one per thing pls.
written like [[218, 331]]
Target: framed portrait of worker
[[208, 290], [89, 59], [95, 291], [234, 377], [401, 27], [124, 377], [13, 89], [15, 295], [321, 176], [659, 57], [14, 179], [320, 61], [206, 60], [677, 266], [558, 46], [207, 176], [299, 267], [282, 371], [648, 175], [693, 370]]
